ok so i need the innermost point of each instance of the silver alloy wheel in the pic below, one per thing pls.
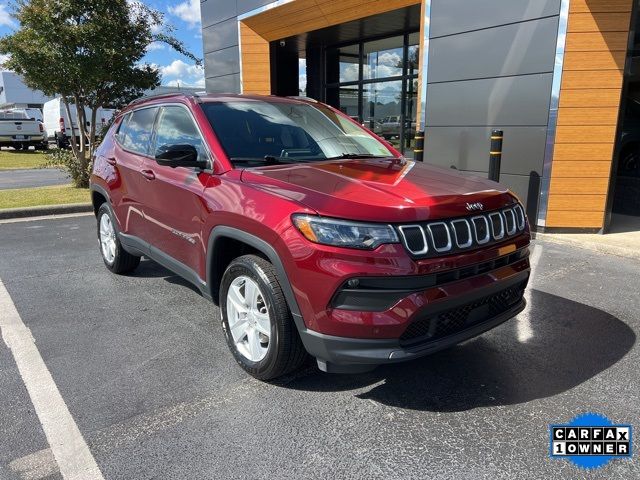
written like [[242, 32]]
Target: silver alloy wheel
[[107, 239], [248, 318]]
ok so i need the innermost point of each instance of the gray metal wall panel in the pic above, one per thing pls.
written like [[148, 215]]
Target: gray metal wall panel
[[514, 101], [223, 62], [221, 35], [467, 148], [245, 6], [224, 84], [527, 188], [215, 11], [495, 52], [455, 16]]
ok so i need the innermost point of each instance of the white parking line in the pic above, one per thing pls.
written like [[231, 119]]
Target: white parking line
[[67, 444]]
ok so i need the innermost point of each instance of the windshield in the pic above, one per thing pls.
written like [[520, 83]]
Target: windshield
[[281, 132], [13, 115]]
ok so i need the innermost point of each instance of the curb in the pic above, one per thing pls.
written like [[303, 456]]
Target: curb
[[45, 210]]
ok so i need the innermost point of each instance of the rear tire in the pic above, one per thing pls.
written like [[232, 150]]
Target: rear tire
[[115, 258], [264, 340]]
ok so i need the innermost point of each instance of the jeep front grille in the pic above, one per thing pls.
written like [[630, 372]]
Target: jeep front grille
[[459, 234]]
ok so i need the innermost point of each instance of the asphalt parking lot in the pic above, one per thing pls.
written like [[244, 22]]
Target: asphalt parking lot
[[41, 177], [145, 373]]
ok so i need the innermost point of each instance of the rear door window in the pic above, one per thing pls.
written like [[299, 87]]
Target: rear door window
[[135, 132]]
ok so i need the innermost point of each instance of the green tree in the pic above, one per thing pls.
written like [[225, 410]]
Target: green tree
[[89, 52]]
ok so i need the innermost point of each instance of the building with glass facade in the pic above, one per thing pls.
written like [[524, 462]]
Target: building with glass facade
[[557, 76]]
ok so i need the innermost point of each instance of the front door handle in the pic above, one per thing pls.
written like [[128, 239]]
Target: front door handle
[[111, 160], [148, 174]]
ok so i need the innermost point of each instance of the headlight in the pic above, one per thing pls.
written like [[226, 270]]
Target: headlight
[[344, 233]]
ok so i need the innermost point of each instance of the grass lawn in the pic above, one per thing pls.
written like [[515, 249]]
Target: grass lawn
[[13, 159], [34, 197]]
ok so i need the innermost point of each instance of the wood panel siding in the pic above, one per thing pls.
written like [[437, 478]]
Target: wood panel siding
[[304, 16], [295, 18], [582, 151], [594, 97], [256, 63], [588, 113], [596, 42], [598, 6], [588, 168], [574, 219]]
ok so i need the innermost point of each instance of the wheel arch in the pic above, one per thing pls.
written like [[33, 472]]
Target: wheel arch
[[221, 234], [98, 196]]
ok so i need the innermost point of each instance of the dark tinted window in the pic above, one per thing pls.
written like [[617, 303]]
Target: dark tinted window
[[291, 131], [135, 134], [176, 127]]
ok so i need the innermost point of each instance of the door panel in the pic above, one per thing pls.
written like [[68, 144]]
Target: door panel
[[173, 204], [133, 137]]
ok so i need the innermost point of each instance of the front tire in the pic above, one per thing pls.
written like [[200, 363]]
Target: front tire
[[115, 258], [256, 320]]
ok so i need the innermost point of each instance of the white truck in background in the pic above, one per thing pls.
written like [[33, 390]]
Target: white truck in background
[[32, 113], [59, 127], [19, 131]]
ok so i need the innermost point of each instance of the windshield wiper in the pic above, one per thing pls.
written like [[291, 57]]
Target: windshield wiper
[[356, 156], [267, 160]]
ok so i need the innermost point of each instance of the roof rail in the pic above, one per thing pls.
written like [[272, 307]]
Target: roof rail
[[162, 95], [302, 97]]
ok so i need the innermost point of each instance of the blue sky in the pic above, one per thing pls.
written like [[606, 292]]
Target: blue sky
[[175, 68]]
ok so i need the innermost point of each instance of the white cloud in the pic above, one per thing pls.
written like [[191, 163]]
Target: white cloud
[[391, 59], [302, 74], [188, 11], [155, 46], [177, 83], [3, 58], [179, 72], [5, 18]]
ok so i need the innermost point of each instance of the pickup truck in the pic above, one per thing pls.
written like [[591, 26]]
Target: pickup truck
[[19, 131]]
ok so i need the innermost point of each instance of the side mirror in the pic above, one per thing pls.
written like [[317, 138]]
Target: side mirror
[[179, 156]]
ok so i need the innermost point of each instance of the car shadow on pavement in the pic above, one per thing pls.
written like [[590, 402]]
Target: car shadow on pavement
[[565, 343], [150, 269]]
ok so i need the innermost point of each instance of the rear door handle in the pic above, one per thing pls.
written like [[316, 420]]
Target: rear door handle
[[148, 174], [111, 160]]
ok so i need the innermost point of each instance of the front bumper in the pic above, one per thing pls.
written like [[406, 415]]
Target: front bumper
[[352, 355]]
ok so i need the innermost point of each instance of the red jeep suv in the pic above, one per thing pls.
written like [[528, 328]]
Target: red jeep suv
[[312, 234]]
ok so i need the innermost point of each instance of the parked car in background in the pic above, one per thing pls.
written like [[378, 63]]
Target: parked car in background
[[311, 234], [389, 127], [19, 131], [60, 128]]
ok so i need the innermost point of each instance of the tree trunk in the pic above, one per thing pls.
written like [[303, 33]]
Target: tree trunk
[[82, 123], [92, 131], [83, 162], [74, 147]]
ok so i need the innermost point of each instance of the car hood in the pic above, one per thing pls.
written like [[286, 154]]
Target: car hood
[[383, 190]]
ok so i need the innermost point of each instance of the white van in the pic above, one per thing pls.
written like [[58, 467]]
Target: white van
[[59, 126]]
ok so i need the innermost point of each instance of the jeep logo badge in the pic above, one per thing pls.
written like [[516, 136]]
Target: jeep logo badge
[[475, 206]]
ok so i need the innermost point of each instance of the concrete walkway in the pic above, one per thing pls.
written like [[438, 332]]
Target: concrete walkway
[[623, 239], [43, 177]]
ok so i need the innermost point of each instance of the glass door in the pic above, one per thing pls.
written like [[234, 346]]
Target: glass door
[[376, 82]]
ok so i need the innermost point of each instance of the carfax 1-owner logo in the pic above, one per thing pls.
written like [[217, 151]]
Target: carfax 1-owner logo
[[590, 440]]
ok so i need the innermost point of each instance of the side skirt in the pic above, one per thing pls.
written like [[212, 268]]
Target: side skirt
[[136, 246]]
